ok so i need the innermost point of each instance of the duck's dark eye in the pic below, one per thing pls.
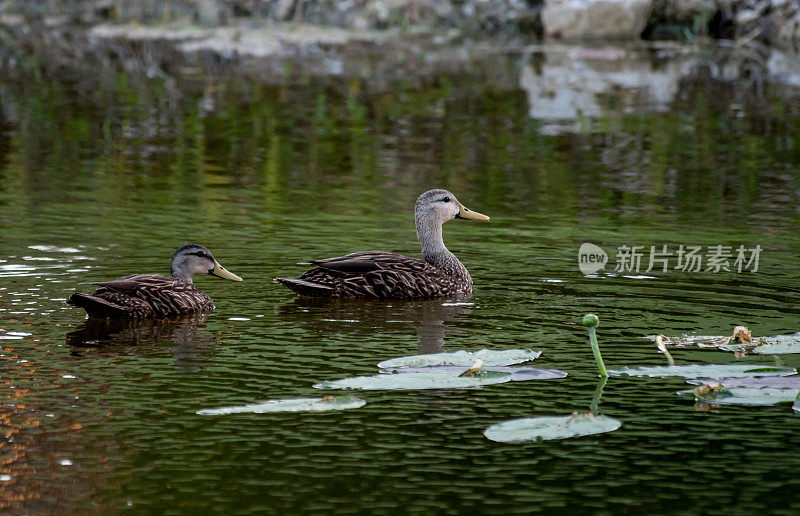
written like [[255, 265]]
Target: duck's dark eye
[[200, 253], [446, 199]]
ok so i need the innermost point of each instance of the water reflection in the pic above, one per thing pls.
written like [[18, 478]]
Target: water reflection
[[191, 344], [569, 86], [432, 319], [572, 83], [122, 163]]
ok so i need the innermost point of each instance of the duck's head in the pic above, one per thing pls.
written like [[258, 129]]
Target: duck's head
[[192, 259], [439, 206]]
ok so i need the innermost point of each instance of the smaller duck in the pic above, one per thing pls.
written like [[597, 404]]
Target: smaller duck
[[154, 295]]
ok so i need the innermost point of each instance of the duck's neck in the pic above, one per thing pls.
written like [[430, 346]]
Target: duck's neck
[[180, 273], [429, 234]]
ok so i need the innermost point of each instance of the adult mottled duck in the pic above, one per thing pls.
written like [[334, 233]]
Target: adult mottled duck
[[153, 295], [385, 275]]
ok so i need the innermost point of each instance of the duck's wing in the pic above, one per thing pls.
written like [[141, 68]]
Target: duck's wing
[[362, 262], [136, 284], [97, 306], [370, 274], [143, 295]]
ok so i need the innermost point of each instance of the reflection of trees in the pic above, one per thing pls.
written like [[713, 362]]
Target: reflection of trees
[[429, 318], [190, 344], [154, 141]]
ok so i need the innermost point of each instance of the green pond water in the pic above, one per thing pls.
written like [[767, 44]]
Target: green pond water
[[109, 179]]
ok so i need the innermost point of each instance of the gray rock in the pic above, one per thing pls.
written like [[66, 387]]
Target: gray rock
[[595, 19], [209, 13], [284, 9], [788, 34]]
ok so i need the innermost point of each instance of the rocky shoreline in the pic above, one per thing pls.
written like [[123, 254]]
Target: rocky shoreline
[[564, 80], [772, 22]]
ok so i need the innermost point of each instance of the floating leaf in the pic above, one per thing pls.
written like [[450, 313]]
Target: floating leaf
[[741, 334], [290, 405], [550, 427], [705, 371], [736, 348], [780, 344], [464, 358], [703, 341], [776, 345], [773, 382], [430, 379], [518, 373], [742, 395], [524, 374], [475, 370]]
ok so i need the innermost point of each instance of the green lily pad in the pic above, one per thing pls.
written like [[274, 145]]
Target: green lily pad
[[702, 341], [550, 427], [735, 346], [705, 371], [779, 345], [464, 358], [290, 405], [707, 341], [771, 382], [775, 345], [744, 396], [518, 373], [443, 379]]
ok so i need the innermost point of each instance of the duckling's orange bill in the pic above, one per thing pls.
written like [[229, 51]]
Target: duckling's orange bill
[[465, 213], [222, 272]]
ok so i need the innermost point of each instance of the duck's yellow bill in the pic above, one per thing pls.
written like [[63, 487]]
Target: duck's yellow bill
[[465, 213], [222, 272]]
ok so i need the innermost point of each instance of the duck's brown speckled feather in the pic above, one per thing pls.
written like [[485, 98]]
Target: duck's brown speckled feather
[[143, 295], [378, 275]]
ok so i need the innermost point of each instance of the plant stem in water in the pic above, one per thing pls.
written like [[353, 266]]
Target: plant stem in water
[[591, 321], [663, 348], [598, 393]]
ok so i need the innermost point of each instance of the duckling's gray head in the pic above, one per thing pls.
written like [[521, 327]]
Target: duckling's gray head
[[192, 259]]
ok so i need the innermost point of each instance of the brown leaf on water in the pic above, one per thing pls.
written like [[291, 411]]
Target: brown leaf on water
[[740, 333], [474, 371], [707, 390]]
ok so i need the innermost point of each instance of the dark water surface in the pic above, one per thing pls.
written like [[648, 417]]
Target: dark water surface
[[102, 181]]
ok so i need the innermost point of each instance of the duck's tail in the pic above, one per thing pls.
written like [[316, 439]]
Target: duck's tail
[[306, 288], [96, 306]]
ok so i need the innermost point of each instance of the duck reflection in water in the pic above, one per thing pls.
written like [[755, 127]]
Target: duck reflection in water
[[429, 317], [191, 344]]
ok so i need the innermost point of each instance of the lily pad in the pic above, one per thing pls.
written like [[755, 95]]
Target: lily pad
[[290, 405], [518, 373], [550, 427], [735, 347], [433, 379], [705, 371], [706, 341], [775, 345], [744, 396], [779, 345], [770, 382], [464, 358], [702, 341]]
